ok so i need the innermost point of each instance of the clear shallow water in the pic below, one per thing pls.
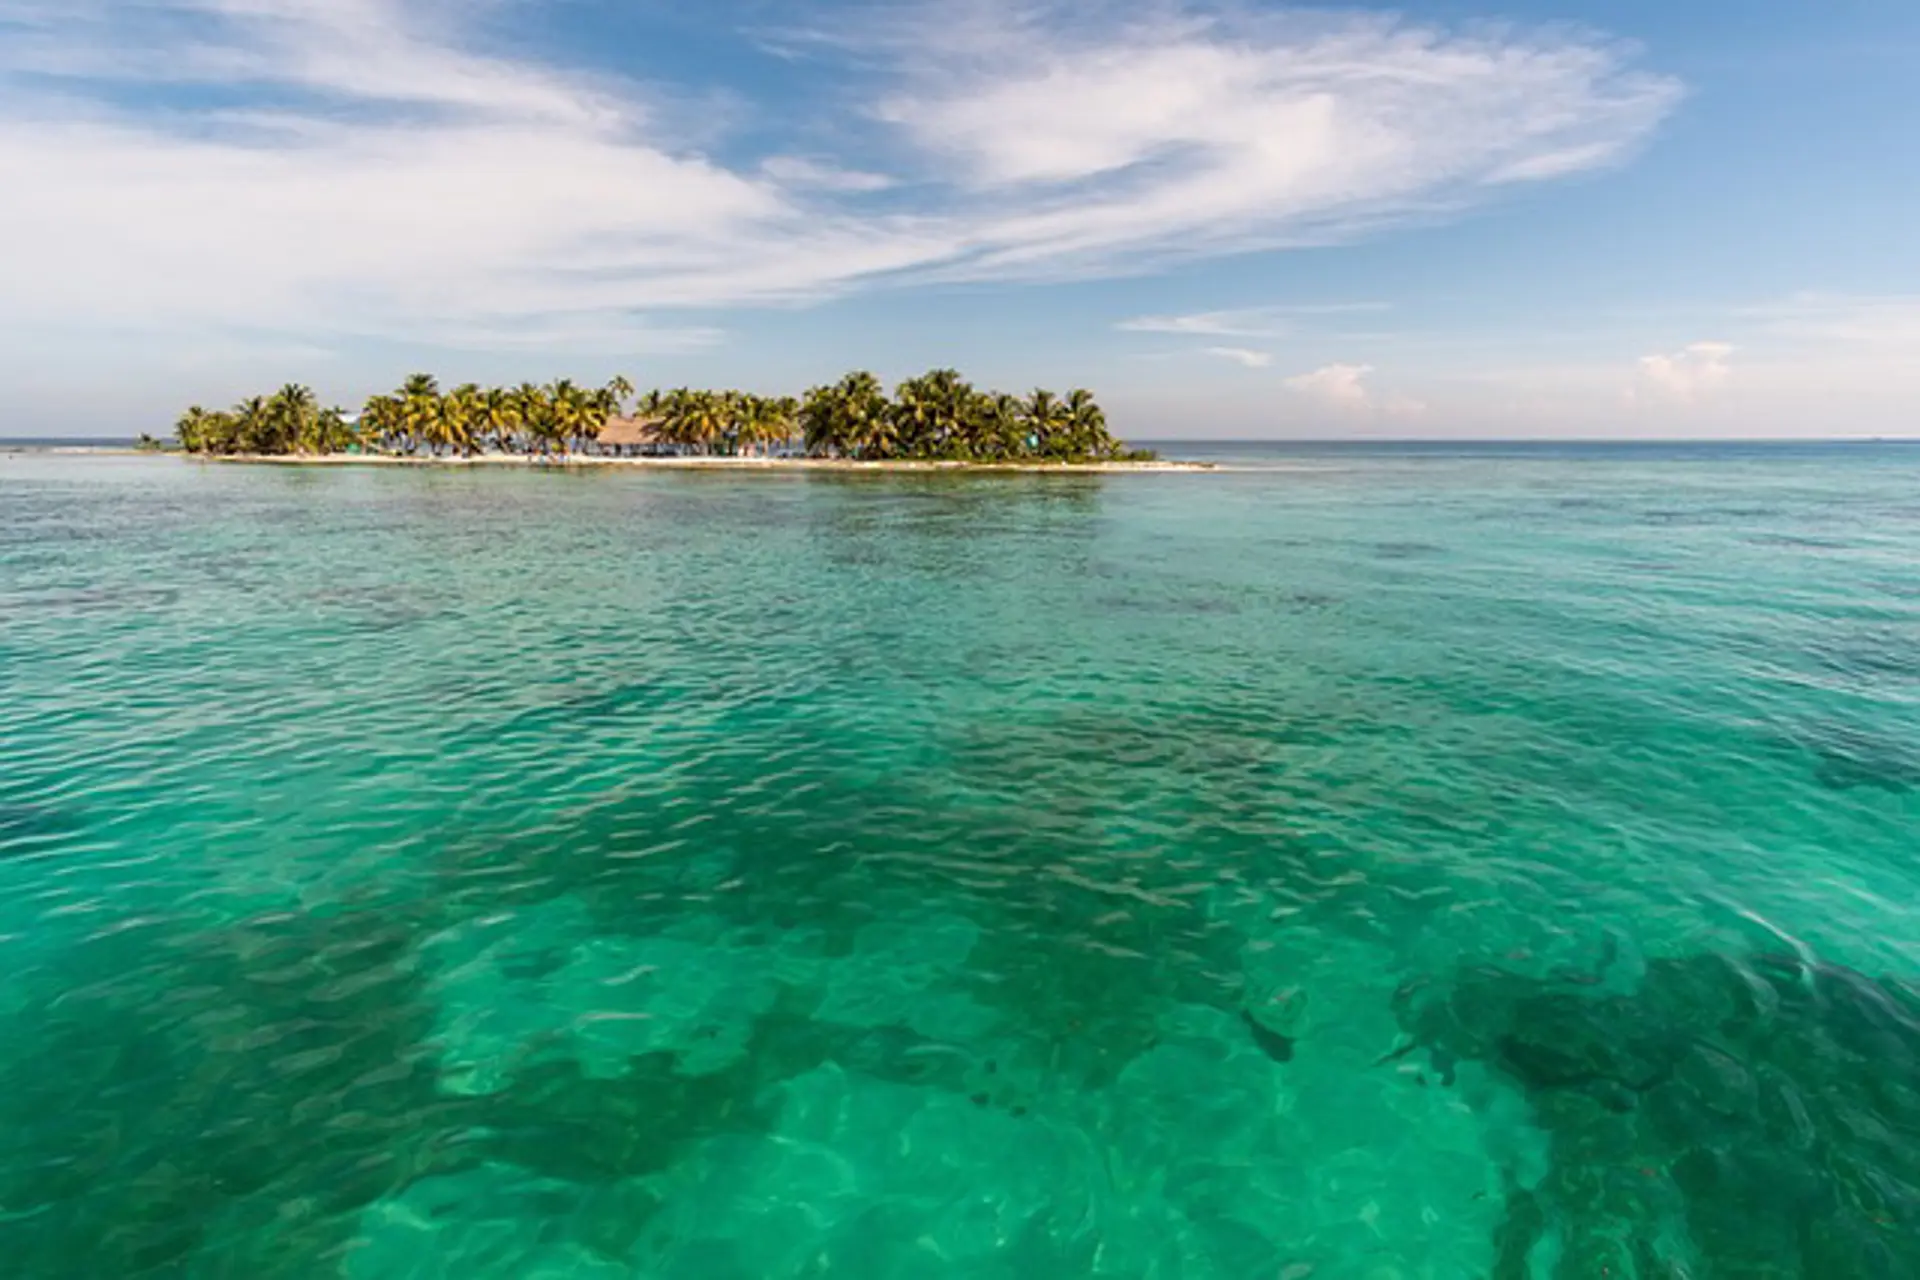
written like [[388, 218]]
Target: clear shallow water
[[1423, 863]]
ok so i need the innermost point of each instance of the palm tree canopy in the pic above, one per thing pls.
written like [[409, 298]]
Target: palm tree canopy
[[936, 415]]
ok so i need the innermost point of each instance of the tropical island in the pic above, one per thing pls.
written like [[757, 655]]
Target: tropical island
[[936, 418]]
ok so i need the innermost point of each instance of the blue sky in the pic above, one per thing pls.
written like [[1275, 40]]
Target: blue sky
[[1560, 218]]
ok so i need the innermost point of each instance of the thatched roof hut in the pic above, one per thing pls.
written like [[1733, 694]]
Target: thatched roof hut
[[630, 433]]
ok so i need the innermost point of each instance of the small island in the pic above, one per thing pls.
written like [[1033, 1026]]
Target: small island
[[936, 419]]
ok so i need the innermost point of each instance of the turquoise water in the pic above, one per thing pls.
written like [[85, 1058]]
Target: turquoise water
[[1362, 863]]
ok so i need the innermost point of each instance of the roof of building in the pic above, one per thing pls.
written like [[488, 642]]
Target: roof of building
[[630, 431]]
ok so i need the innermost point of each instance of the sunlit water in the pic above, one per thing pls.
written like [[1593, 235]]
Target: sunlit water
[[1371, 864]]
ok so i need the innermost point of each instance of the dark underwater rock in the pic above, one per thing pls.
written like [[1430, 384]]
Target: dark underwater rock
[[1772, 1106], [1275, 1045], [1405, 550], [1847, 759]]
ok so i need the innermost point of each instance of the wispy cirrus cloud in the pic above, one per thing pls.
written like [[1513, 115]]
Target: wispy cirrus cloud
[[1243, 356], [803, 173], [1164, 133], [338, 169], [1245, 322], [1210, 324]]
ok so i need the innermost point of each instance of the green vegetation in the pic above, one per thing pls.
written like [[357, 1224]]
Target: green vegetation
[[416, 420], [938, 416]]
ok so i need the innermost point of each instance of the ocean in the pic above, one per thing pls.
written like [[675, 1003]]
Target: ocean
[[1372, 862]]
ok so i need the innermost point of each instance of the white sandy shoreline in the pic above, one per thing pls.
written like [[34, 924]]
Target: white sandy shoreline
[[693, 464]]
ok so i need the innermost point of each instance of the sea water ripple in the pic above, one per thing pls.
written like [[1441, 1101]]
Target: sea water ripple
[[1363, 863]]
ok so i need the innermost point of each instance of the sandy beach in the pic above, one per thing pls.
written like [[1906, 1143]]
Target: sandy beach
[[697, 464]]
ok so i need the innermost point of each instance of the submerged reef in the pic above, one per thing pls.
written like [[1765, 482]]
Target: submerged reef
[[1727, 1117]]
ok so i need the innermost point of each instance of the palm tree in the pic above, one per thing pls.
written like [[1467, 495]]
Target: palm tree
[[650, 408], [534, 408], [1045, 419], [736, 433], [460, 414], [929, 413], [670, 416], [382, 421], [497, 418], [870, 423], [1087, 425], [851, 418], [823, 422], [874, 430], [422, 413], [695, 419], [251, 431], [994, 424], [573, 413], [713, 420], [288, 421], [763, 420], [783, 419], [333, 433], [619, 391], [747, 423], [607, 404], [199, 431]]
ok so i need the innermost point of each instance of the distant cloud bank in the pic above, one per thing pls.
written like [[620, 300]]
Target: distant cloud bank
[[1688, 374]]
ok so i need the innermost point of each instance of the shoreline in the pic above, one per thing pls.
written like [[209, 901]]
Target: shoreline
[[691, 464]]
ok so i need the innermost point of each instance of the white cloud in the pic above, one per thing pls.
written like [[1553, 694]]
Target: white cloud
[[804, 173], [1246, 322], [388, 182], [1215, 324], [1242, 356], [1175, 136], [1812, 365], [524, 208], [1336, 386], [1689, 374]]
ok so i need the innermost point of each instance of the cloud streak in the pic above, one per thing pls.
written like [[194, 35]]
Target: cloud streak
[[352, 169], [1243, 356], [1247, 322], [1189, 133]]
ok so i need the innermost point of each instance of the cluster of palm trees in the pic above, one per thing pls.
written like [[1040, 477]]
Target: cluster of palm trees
[[416, 419], [560, 417], [938, 416], [291, 420], [736, 423]]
